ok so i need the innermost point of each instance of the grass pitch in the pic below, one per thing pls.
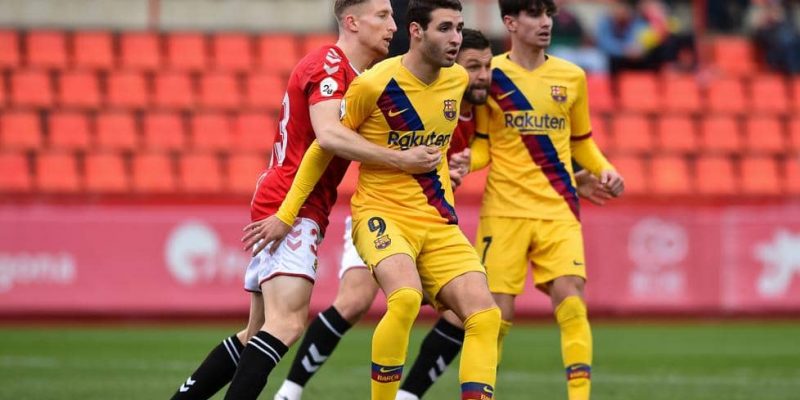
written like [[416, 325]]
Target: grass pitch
[[692, 361]]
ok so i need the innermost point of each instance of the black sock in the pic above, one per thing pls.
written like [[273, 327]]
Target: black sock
[[439, 348], [319, 342], [262, 353], [214, 373]]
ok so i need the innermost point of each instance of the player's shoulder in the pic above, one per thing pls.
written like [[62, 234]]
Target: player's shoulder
[[322, 61], [455, 71], [564, 67], [382, 71]]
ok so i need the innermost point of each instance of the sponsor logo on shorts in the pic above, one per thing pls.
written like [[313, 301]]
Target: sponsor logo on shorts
[[386, 374], [577, 263], [383, 242]]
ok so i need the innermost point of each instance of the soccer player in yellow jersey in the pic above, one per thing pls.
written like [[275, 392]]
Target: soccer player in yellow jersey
[[535, 121]]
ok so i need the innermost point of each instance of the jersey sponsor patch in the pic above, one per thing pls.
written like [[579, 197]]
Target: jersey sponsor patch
[[328, 87]]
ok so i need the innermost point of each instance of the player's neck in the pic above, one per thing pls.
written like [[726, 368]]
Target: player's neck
[[528, 57], [423, 70], [360, 57]]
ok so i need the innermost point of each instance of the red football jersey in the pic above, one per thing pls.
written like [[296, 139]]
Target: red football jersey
[[462, 136], [321, 75]]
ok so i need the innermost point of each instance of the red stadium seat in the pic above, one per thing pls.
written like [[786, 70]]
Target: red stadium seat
[[670, 175], [727, 96], [232, 52], [3, 99], [31, 88], [632, 133], [639, 91], [715, 175], [734, 55], [153, 173], [57, 172], [105, 173], [69, 130], [140, 50], [173, 90], [681, 93], [796, 93], [47, 49], [16, 176], [9, 49], [116, 130], [219, 90], [794, 134], [473, 184], [93, 50], [21, 130], [601, 97], [187, 51], [633, 170], [791, 181], [79, 89], [278, 53], [200, 173], [764, 134], [720, 134], [164, 131], [264, 91], [244, 170], [676, 134], [769, 94], [127, 89], [212, 131], [600, 132], [314, 41], [255, 131], [760, 176]]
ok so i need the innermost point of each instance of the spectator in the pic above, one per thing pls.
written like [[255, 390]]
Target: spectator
[[776, 34], [572, 42]]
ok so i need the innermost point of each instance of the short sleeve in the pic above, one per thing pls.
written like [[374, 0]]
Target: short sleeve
[[357, 105], [327, 78]]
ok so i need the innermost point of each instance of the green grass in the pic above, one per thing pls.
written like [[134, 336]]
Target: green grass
[[747, 361]]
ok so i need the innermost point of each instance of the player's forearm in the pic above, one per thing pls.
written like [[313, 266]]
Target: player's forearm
[[479, 151], [588, 155], [314, 164], [349, 145]]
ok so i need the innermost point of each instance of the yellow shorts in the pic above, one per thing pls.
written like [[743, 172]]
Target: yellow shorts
[[505, 245], [441, 251]]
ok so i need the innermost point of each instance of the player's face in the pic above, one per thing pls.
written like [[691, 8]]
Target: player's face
[[478, 64], [534, 29], [376, 25], [442, 39]]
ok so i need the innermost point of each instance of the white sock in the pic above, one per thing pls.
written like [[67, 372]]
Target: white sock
[[403, 395], [289, 391]]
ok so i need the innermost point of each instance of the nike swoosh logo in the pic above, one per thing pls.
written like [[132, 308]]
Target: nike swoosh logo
[[506, 94], [488, 389], [576, 263], [393, 113], [385, 370]]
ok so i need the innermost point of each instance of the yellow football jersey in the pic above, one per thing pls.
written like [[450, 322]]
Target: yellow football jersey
[[389, 106], [532, 119]]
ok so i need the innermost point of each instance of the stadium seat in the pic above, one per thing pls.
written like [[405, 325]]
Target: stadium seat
[[676, 134], [670, 175], [264, 91], [244, 170], [601, 133], [727, 95], [473, 184], [93, 50], [633, 170], [47, 49], [20, 130], [232, 52], [639, 92], [277, 53], [187, 51], [220, 90], [140, 50], [3, 99], [734, 55], [681, 93], [314, 41], [211, 131], [16, 176], [173, 90], [69, 130], [796, 93], [79, 89], [632, 133], [199, 173], [794, 134], [9, 49], [57, 172], [601, 97], [116, 130], [764, 134], [791, 180], [760, 176], [164, 131], [127, 89], [31, 88], [153, 173], [769, 94], [255, 131], [715, 175], [106, 173], [720, 134]]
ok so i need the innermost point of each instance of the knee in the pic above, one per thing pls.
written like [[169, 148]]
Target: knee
[[484, 320], [288, 328], [353, 307], [404, 302]]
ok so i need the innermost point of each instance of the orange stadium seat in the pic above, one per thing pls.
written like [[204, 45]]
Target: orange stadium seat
[[600, 132], [140, 50], [676, 133], [601, 97], [173, 90], [639, 91], [632, 133], [93, 50], [278, 53], [16, 176], [734, 55], [255, 131], [211, 131], [187, 51], [670, 175], [57, 172], [127, 89], [9, 49], [153, 173], [314, 41], [232, 52], [31, 88], [264, 91], [164, 131], [727, 95], [794, 134], [720, 133], [715, 175], [79, 89], [116, 130], [219, 90], [199, 173], [105, 173], [47, 49], [764, 134], [769, 94], [681, 93], [633, 170], [243, 171], [760, 176], [791, 180], [20, 130], [69, 130]]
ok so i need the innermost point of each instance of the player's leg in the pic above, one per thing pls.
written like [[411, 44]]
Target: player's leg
[[506, 303]]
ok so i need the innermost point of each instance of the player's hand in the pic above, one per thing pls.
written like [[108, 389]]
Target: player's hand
[[589, 188], [613, 182], [266, 231], [460, 162], [455, 179], [420, 159]]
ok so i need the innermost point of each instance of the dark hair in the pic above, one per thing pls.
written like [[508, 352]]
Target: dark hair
[[474, 39], [419, 11], [533, 7], [340, 5]]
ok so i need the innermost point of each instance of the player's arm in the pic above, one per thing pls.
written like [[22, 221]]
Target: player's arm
[[479, 148]]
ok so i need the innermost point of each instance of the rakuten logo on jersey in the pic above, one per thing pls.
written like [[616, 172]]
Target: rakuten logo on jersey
[[411, 139], [36, 268], [195, 255], [526, 121]]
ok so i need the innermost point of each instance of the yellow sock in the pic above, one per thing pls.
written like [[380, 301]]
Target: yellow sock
[[505, 326], [576, 346], [390, 342], [479, 355]]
